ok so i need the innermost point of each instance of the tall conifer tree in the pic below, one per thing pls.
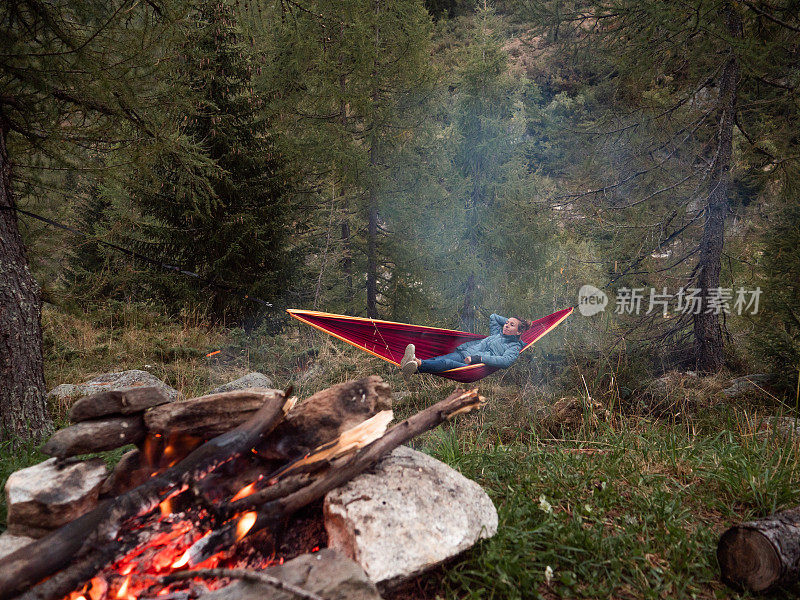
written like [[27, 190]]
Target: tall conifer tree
[[691, 90], [225, 218]]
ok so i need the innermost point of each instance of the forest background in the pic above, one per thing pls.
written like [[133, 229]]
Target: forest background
[[175, 174]]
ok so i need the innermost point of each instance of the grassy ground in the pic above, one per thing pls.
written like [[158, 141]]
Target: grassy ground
[[593, 503]]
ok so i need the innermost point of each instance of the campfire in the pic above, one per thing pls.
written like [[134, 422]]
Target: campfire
[[212, 489]]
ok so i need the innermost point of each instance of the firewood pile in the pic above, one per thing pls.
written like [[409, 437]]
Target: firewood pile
[[211, 479]]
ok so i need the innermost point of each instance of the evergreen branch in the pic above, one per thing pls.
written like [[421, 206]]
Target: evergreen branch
[[750, 139], [86, 42], [660, 191], [770, 16], [634, 175]]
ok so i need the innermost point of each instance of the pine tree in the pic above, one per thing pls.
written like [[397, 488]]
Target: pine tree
[[690, 92], [72, 75], [778, 321], [226, 218], [353, 77], [484, 143]]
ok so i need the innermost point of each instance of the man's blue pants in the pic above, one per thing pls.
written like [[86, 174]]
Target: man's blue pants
[[442, 363]]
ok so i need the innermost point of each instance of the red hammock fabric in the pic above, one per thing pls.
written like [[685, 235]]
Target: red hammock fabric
[[388, 340]]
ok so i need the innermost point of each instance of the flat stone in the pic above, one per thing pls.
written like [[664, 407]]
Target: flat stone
[[251, 380], [326, 573], [46, 496], [407, 514], [11, 543], [111, 381]]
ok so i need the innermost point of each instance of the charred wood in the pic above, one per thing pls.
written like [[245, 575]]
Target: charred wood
[[86, 538], [207, 416], [326, 415], [271, 513]]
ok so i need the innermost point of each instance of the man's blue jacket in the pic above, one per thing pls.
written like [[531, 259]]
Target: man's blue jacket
[[497, 350]]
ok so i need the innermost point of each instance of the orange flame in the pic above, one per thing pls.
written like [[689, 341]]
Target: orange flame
[[182, 561], [97, 588], [245, 524], [213, 353], [123, 590], [244, 492], [166, 507]]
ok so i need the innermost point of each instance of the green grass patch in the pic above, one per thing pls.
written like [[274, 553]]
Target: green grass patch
[[632, 510]]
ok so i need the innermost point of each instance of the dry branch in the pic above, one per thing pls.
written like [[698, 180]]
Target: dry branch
[[95, 436]]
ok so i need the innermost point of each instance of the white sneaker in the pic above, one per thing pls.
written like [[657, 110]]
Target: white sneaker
[[409, 362]]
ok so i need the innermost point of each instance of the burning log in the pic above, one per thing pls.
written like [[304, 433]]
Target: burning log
[[761, 555], [325, 416], [235, 529], [87, 537], [131, 471], [95, 436], [342, 469], [113, 534], [117, 402]]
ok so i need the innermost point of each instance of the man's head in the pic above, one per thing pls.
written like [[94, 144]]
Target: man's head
[[515, 326]]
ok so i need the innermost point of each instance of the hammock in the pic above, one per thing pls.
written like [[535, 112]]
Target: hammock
[[388, 340]]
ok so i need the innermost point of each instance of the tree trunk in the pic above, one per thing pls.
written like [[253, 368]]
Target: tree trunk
[[708, 342], [372, 255], [372, 208], [763, 554], [347, 260], [23, 410], [467, 314]]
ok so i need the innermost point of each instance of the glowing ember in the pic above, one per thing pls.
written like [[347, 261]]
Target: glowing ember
[[166, 507], [244, 492], [97, 588], [123, 590], [245, 524], [182, 561]]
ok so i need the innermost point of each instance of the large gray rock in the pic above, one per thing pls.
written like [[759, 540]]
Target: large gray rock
[[407, 514], [749, 383], [11, 543], [111, 381], [325, 573], [251, 380], [44, 497], [787, 427]]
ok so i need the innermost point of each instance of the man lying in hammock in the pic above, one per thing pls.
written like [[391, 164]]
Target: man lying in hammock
[[499, 350]]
